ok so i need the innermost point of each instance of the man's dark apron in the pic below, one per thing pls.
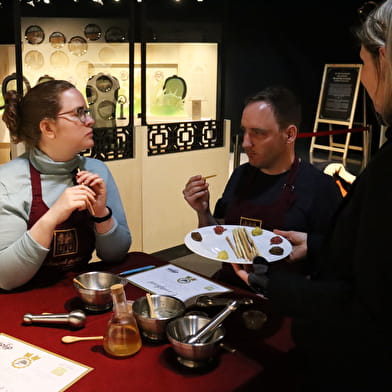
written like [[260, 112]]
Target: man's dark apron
[[268, 216], [73, 240]]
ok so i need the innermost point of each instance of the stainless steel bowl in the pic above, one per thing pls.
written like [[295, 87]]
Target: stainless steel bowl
[[195, 354], [97, 296], [167, 308]]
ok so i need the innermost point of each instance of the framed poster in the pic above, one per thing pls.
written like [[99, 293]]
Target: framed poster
[[339, 92]]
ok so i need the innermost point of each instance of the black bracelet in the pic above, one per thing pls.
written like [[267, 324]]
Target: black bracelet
[[104, 218]]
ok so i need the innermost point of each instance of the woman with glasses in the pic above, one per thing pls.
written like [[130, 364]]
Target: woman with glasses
[[56, 207], [342, 319]]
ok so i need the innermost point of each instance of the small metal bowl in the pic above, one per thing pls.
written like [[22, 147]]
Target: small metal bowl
[[167, 309], [195, 354], [97, 297]]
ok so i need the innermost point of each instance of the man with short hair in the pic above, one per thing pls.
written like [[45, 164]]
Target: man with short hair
[[275, 189]]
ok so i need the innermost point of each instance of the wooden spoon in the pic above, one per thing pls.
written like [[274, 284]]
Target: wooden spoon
[[151, 306], [80, 283], [73, 339]]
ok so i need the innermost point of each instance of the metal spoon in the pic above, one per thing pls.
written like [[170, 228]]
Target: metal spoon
[[205, 300], [73, 339]]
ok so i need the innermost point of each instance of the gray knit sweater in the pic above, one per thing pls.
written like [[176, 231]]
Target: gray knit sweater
[[20, 255]]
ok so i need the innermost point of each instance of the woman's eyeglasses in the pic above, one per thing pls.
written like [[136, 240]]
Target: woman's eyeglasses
[[81, 113]]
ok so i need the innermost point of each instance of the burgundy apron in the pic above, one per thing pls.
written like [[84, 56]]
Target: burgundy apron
[[73, 240], [269, 216]]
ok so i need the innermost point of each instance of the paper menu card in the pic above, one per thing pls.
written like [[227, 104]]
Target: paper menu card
[[177, 282], [25, 367]]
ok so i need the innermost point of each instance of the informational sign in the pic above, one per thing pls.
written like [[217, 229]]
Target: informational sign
[[339, 92], [337, 104]]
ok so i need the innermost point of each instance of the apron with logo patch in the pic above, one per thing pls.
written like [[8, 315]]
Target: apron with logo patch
[[269, 216], [73, 240]]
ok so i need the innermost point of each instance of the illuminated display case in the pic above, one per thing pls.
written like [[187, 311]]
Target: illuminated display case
[[94, 54], [181, 78]]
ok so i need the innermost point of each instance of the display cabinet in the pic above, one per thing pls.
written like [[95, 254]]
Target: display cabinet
[[155, 104]]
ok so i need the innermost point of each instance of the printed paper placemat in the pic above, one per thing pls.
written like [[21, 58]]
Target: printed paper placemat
[[177, 282], [25, 367]]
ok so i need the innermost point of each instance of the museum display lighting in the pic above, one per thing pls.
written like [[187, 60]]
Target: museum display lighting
[[33, 3]]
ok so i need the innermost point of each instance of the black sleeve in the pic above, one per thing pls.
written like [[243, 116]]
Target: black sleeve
[[298, 296], [220, 209], [314, 243], [258, 279], [230, 191], [325, 205]]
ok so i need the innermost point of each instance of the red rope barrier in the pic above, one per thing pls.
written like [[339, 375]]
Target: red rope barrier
[[336, 132]]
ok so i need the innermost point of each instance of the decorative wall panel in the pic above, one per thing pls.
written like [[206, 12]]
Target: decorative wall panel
[[117, 143], [184, 136], [111, 144]]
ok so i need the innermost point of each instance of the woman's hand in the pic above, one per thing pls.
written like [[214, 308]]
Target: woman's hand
[[74, 198], [77, 197], [97, 185], [298, 240]]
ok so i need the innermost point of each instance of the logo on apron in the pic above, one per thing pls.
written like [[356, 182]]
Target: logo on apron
[[250, 222], [65, 242]]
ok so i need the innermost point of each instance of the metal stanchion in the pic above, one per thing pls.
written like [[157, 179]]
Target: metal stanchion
[[237, 151]]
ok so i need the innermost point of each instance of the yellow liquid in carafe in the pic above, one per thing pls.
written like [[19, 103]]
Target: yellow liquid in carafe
[[122, 340]]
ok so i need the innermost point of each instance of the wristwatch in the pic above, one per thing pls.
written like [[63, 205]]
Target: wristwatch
[[103, 218]]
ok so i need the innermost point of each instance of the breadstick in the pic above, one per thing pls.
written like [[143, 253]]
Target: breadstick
[[255, 250], [245, 243], [238, 242]]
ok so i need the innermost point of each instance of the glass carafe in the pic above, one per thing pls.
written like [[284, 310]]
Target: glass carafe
[[122, 337]]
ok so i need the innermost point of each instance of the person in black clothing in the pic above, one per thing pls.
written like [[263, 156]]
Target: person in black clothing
[[275, 189], [341, 319]]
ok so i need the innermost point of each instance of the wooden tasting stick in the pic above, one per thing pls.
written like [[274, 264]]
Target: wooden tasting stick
[[212, 175], [89, 205], [253, 245], [80, 283], [233, 248], [151, 306]]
